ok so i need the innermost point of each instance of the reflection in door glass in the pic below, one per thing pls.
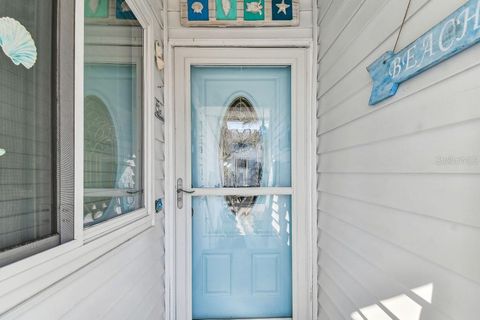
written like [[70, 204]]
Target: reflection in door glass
[[241, 127]]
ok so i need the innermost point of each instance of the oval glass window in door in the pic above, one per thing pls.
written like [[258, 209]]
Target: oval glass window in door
[[241, 153]]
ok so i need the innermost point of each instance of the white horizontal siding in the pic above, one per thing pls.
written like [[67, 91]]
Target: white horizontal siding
[[398, 183], [126, 283]]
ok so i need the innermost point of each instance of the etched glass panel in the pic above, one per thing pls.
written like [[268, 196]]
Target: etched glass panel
[[241, 147]]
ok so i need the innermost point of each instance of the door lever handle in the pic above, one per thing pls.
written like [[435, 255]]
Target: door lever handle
[[134, 192], [179, 190]]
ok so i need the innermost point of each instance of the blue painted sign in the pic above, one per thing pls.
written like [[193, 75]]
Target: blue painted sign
[[123, 11], [457, 32], [282, 10], [197, 10]]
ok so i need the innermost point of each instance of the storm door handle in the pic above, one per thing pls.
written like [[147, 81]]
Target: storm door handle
[[180, 192]]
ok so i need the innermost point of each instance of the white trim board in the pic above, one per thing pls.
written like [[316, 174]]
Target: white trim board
[[239, 43], [178, 305]]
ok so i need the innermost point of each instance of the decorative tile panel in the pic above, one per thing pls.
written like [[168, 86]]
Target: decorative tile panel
[[239, 13], [282, 10], [197, 10], [226, 9]]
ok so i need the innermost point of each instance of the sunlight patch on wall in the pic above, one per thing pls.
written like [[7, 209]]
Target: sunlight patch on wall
[[356, 316], [374, 312], [425, 292], [402, 307]]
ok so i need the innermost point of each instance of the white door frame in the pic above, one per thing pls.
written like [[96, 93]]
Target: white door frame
[[178, 223]]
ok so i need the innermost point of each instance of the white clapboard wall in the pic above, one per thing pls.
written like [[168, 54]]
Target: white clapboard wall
[[398, 184], [127, 282]]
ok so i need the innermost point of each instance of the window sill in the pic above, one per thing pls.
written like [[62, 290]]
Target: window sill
[[26, 250], [22, 280], [96, 231]]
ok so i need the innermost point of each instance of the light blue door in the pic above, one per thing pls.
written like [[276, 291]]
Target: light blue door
[[241, 237]]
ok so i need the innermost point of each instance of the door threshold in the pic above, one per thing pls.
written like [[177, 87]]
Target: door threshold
[[244, 319]]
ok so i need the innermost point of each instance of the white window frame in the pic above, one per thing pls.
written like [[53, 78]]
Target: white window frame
[[23, 279], [178, 238]]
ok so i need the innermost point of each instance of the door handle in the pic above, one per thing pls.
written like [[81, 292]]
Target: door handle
[[180, 192], [134, 192]]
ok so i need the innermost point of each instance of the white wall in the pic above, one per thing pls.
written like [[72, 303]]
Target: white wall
[[127, 282], [392, 217]]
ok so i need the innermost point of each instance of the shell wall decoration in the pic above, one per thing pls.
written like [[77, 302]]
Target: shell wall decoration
[[239, 13], [226, 6], [94, 5], [17, 43]]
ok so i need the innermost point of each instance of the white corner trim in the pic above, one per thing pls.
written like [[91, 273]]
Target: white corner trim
[[79, 92], [169, 205], [313, 160], [142, 12]]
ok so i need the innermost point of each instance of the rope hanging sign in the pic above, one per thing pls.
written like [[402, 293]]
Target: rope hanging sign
[[456, 33]]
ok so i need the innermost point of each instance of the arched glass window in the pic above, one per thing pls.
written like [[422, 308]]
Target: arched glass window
[[101, 157], [241, 152]]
